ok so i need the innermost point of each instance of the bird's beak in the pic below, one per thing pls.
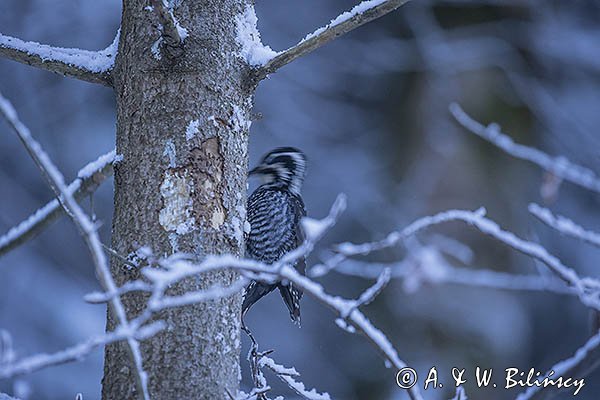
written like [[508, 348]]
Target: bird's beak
[[254, 171]]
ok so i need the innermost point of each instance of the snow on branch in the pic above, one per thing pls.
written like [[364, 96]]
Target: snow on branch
[[361, 14], [428, 267], [288, 375], [558, 166], [178, 267], [587, 289], [39, 361], [172, 34], [89, 66], [87, 229], [369, 295], [87, 181], [564, 225]]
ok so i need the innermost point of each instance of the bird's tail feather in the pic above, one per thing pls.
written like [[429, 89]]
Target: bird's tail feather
[[254, 292], [291, 297]]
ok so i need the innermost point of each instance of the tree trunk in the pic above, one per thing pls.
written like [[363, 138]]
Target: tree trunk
[[183, 132]]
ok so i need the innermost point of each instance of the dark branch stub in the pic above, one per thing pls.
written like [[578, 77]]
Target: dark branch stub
[[172, 40]]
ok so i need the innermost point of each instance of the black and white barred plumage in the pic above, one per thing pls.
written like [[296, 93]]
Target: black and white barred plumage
[[274, 212]]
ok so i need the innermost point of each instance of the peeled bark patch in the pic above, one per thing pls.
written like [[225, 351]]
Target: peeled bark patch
[[177, 213], [206, 168]]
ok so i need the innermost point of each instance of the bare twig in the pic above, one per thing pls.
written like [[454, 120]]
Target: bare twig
[[559, 166], [171, 33], [363, 13], [350, 318], [564, 225], [586, 288], [181, 267], [39, 361], [87, 229], [445, 273], [580, 364], [346, 309], [95, 174], [89, 66], [132, 286], [111, 252], [369, 295], [288, 375]]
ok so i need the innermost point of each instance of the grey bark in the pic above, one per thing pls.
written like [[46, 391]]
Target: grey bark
[[165, 180]]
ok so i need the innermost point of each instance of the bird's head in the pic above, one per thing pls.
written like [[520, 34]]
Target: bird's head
[[284, 167]]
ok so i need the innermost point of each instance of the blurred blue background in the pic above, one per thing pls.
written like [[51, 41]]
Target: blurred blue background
[[371, 112]]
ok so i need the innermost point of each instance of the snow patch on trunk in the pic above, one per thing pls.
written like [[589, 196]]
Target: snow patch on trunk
[[176, 215], [192, 129]]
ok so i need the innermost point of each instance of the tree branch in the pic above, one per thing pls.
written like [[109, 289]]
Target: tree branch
[[564, 225], [288, 375], [361, 14], [171, 33], [89, 66], [87, 229], [587, 289], [559, 166], [177, 267], [88, 180], [39, 361], [447, 274]]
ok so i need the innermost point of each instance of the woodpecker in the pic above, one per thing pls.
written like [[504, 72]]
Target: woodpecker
[[274, 212]]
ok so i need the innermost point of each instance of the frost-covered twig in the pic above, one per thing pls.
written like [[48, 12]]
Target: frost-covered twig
[[564, 225], [87, 229], [485, 278], [445, 273], [585, 358], [354, 318], [559, 166], [361, 14], [89, 66], [198, 296], [87, 181], [369, 295], [288, 375], [172, 33], [39, 361], [345, 250], [178, 267], [582, 286]]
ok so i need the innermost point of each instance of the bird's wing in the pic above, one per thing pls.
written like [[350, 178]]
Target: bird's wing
[[300, 211]]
